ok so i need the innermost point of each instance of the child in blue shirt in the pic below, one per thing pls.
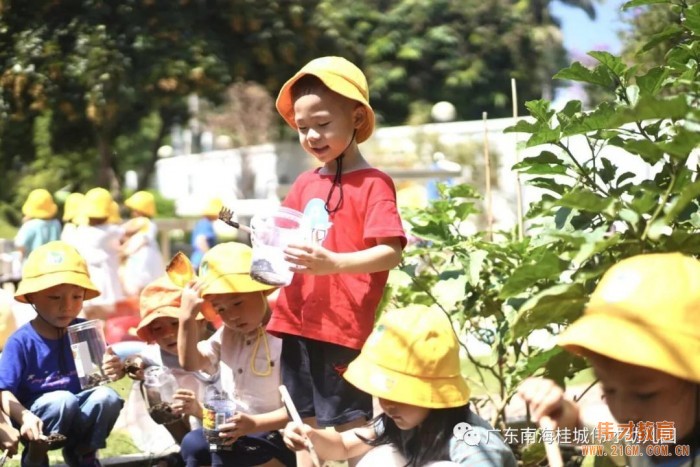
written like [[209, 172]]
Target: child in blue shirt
[[38, 378]]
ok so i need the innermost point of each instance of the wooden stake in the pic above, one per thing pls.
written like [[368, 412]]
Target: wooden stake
[[518, 187], [287, 401], [487, 166]]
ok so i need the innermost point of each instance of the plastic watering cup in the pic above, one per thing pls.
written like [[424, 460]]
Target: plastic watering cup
[[271, 233]]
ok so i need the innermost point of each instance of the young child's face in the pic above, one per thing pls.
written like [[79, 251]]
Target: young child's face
[[326, 123], [242, 312], [164, 332], [60, 304], [405, 416], [639, 394]]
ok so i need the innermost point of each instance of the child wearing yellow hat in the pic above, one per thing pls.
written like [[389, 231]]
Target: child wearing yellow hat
[[410, 362], [247, 357], [159, 305], [38, 376], [72, 217], [327, 312], [40, 225], [640, 332], [144, 261], [98, 242]]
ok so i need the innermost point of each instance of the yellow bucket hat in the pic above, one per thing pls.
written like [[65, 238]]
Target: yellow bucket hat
[[96, 203], [213, 207], [645, 311], [71, 207], [340, 76], [143, 202], [159, 299], [52, 264], [226, 269], [411, 357], [39, 205], [114, 215]]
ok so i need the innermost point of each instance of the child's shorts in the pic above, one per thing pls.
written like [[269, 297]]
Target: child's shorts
[[313, 373], [253, 449]]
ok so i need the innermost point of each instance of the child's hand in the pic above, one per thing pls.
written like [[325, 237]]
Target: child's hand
[[112, 366], [32, 428], [9, 439], [546, 399], [311, 259], [191, 302], [186, 403], [134, 366], [296, 436]]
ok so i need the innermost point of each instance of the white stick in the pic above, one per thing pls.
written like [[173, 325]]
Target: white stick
[[287, 400], [554, 458]]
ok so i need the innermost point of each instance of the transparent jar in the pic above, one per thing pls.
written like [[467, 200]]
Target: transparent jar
[[218, 409], [87, 343], [161, 387]]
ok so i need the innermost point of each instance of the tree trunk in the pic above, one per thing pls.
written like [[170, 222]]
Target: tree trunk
[[106, 176]]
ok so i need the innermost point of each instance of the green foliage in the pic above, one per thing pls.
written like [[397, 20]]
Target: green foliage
[[594, 210]]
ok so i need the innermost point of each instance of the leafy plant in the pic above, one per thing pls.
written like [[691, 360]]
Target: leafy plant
[[593, 212]]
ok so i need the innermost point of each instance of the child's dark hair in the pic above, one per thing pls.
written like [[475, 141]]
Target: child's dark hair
[[428, 442], [307, 84]]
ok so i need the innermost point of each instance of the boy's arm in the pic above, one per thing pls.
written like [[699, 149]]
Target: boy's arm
[[31, 426], [314, 259], [546, 399], [191, 359]]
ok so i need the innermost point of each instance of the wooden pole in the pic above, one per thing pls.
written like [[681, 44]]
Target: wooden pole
[[518, 187], [487, 167]]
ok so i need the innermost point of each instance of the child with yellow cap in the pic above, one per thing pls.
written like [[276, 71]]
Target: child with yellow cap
[[247, 357], [38, 376], [160, 305], [40, 225], [144, 261], [72, 216], [327, 312], [410, 362], [640, 331], [98, 242]]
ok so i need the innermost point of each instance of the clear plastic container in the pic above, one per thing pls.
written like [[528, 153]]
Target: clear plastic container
[[160, 386], [87, 342], [271, 233]]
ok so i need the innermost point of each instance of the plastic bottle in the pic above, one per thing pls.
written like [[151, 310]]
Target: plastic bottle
[[218, 408]]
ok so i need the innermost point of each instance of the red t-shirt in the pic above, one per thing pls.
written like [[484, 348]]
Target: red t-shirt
[[339, 308]]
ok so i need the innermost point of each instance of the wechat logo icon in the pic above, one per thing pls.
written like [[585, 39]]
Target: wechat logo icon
[[463, 431]]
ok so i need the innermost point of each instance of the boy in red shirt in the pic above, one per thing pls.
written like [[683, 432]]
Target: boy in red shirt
[[325, 315]]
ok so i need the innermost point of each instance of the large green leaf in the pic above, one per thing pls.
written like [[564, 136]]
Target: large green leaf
[[650, 83], [558, 304], [577, 72], [545, 265], [671, 32], [692, 19], [585, 200]]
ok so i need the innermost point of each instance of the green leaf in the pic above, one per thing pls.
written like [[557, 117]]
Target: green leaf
[[449, 292], [523, 126], [599, 119], [546, 163], [650, 83], [558, 304], [692, 19], [670, 33], [578, 72], [649, 151], [636, 3], [585, 200], [682, 143], [546, 265], [544, 136], [476, 265], [689, 194], [651, 108], [613, 63], [540, 109]]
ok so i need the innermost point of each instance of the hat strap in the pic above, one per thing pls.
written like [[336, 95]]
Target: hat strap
[[337, 179], [261, 337]]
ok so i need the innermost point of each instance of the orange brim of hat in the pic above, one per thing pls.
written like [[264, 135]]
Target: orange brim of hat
[[143, 331], [46, 281], [335, 82], [432, 393], [627, 341]]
